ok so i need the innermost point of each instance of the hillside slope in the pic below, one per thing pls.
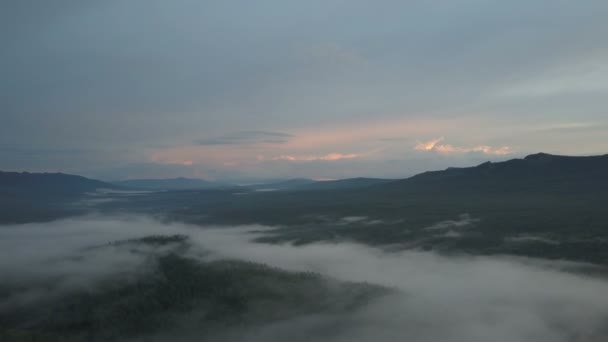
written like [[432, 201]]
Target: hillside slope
[[26, 197], [538, 172]]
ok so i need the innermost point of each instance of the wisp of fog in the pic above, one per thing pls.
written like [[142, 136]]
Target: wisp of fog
[[437, 298]]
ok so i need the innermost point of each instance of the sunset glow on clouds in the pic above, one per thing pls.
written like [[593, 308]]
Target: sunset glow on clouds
[[434, 145], [429, 145], [164, 158], [327, 157], [346, 98], [318, 151]]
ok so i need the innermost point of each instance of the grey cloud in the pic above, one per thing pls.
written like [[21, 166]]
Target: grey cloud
[[395, 139], [248, 138], [100, 74], [407, 166], [44, 152], [574, 128], [124, 171], [69, 160]]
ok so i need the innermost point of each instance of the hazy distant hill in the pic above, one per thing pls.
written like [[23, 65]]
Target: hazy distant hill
[[49, 183], [302, 184], [170, 184], [284, 185]]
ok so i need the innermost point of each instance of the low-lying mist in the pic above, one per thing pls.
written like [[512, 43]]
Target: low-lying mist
[[436, 298]]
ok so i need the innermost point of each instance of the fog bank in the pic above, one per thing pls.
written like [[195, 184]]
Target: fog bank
[[457, 299]]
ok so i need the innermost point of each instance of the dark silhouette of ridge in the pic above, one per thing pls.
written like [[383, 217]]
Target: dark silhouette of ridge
[[536, 172], [31, 197], [49, 183]]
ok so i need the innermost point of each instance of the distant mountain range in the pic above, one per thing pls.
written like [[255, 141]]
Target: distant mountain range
[[296, 184], [304, 184], [289, 184], [180, 183], [534, 172]]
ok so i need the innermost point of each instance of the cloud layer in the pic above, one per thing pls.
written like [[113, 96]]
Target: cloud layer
[[248, 138], [204, 82], [435, 145], [327, 157]]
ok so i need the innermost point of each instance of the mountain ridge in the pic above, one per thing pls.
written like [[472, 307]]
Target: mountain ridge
[[176, 183], [533, 172], [50, 182], [539, 168]]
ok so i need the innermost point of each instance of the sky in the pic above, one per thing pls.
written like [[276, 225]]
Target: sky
[[322, 89]]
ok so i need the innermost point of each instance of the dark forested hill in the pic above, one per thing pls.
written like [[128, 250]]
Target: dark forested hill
[[173, 292], [536, 172], [542, 205], [28, 196], [25, 183]]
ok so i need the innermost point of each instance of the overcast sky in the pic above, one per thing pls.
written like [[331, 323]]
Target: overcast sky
[[322, 89]]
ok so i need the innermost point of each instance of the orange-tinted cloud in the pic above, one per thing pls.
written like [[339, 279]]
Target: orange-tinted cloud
[[247, 138], [327, 157], [433, 145], [429, 145], [345, 134], [168, 159]]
